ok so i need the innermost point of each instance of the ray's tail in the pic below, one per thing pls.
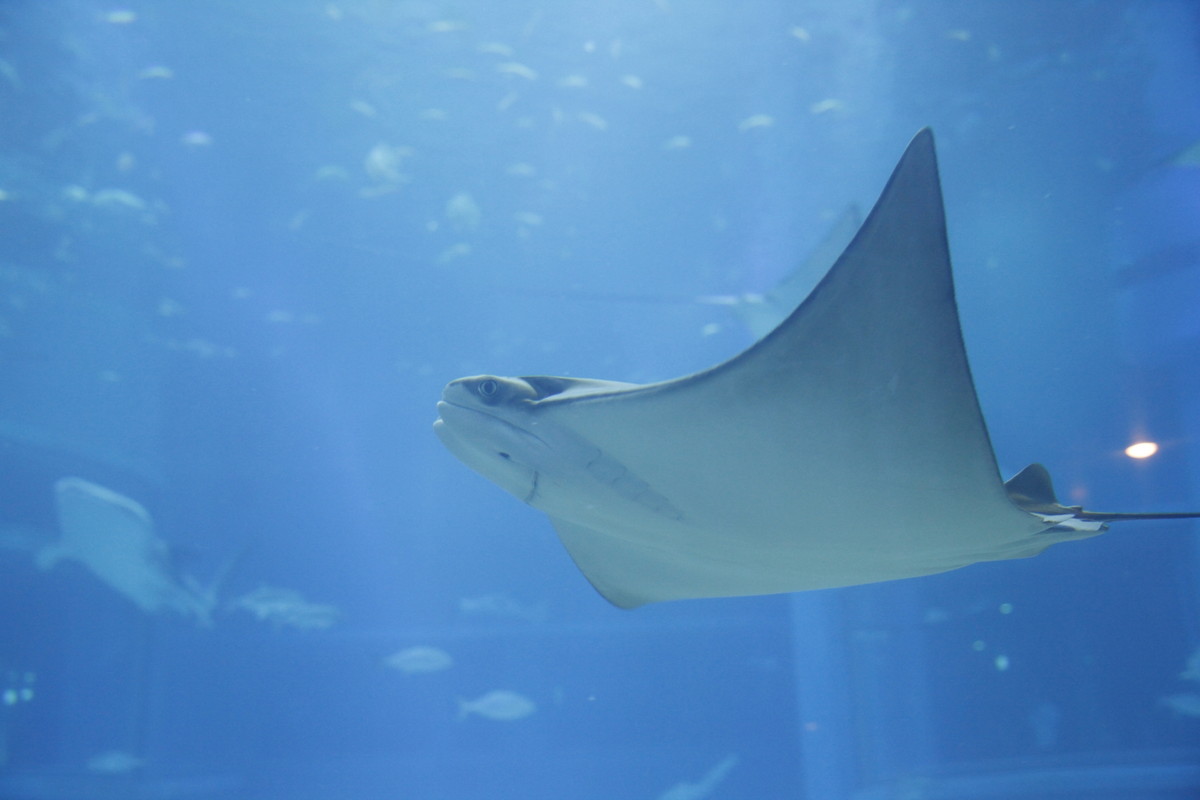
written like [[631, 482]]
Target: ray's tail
[[1032, 490]]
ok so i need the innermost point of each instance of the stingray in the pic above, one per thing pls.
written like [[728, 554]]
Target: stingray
[[113, 536], [845, 447]]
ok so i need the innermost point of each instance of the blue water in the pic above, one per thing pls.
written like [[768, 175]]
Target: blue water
[[243, 246]]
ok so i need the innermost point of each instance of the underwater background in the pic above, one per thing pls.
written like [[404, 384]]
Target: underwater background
[[243, 246]]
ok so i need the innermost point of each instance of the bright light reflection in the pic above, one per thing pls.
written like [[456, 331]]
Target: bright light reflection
[[1141, 450]]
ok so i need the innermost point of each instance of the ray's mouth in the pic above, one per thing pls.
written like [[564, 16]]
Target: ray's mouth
[[450, 412], [449, 408]]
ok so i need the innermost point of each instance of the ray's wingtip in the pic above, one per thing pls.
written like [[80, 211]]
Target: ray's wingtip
[[923, 139]]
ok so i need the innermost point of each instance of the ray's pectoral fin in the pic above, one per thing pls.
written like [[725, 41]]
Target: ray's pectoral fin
[[1032, 490], [609, 570], [630, 570]]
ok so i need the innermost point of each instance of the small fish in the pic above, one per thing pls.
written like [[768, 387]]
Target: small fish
[[520, 70], [500, 705], [686, 790], [419, 659], [502, 606], [445, 26], [463, 212], [331, 172], [156, 72], [595, 120], [196, 139], [9, 73], [506, 102], [677, 143], [20, 688], [169, 308], [280, 606], [756, 121], [1184, 704], [1192, 671], [201, 348], [120, 16], [382, 163], [573, 82], [1188, 157], [632, 81], [117, 199], [114, 762], [826, 105], [496, 49], [454, 251]]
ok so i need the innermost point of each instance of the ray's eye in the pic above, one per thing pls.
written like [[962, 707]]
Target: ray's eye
[[488, 389]]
